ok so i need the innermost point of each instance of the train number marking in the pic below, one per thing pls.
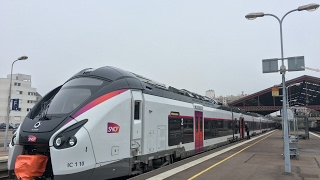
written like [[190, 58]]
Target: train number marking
[[75, 164], [70, 164]]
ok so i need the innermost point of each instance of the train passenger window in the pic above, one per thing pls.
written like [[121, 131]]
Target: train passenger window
[[220, 128], [187, 130], [213, 128], [136, 110], [174, 131], [228, 127], [208, 129], [196, 123]]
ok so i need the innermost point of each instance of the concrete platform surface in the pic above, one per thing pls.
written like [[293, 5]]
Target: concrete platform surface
[[259, 158]]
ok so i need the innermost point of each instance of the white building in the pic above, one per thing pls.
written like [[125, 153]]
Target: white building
[[21, 89], [225, 100], [228, 99], [210, 93]]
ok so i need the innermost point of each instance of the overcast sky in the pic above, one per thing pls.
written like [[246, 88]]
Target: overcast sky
[[194, 45]]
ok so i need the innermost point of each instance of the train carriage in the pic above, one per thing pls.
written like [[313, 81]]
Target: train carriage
[[105, 123]]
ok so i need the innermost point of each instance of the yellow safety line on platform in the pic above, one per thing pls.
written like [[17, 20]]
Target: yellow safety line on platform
[[193, 177]]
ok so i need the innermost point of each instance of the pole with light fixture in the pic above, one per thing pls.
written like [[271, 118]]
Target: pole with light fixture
[[312, 69], [5, 144], [251, 16]]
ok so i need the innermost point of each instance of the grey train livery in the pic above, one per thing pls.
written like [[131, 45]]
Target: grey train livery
[[106, 123]]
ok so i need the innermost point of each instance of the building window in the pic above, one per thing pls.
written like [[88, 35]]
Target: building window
[[19, 92], [19, 109], [31, 93], [28, 109], [17, 84]]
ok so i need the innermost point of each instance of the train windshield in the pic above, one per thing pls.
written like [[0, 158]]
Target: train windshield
[[72, 94]]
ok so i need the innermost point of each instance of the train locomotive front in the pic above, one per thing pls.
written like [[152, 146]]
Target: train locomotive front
[[80, 128]]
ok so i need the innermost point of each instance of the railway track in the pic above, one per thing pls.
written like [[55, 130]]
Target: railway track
[[4, 175], [3, 170], [316, 132]]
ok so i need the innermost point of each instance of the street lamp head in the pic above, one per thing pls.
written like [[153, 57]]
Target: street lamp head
[[295, 84], [23, 58], [252, 16], [309, 7]]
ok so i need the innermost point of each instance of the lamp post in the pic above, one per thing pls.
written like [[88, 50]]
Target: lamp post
[[5, 144], [251, 16]]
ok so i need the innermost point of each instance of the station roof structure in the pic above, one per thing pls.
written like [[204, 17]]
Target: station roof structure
[[303, 91]]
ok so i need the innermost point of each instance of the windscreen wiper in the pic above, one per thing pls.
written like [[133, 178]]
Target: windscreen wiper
[[45, 110]]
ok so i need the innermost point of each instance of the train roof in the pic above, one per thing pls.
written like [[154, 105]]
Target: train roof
[[152, 87]]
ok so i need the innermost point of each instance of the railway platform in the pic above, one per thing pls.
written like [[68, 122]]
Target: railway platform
[[4, 154], [261, 158]]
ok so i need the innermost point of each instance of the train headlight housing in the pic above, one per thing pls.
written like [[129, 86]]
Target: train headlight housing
[[14, 140], [72, 141], [58, 141], [66, 138]]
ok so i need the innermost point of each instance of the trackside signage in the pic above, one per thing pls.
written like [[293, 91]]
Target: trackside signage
[[113, 128]]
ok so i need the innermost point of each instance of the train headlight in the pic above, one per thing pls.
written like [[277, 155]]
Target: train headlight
[[58, 141], [72, 141]]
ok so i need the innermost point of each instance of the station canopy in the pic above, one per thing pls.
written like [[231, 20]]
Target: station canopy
[[303, 91]]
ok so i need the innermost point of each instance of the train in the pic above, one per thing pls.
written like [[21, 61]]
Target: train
[[106, 122]]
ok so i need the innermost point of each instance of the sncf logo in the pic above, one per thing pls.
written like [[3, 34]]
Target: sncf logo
[[32, 138], [113, 128]]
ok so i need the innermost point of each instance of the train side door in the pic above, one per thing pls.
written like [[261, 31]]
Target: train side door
[[198, 129], [136, 122], [260, 126], [241, 128], [233, 121]]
